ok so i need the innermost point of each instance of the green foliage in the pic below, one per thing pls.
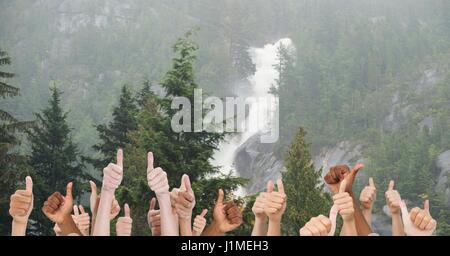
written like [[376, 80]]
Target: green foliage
[[303, 187], [54, 158]]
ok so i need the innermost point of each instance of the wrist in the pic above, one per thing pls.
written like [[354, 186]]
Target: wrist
[[259, 218], [20, 220], [215, 228]]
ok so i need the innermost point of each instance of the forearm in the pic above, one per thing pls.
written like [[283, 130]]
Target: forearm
[[68, 226], [362, 227], [260, 227], [185, 227], [19, 228], [102, 221], [274, 228], [169, 219], [367, 213], [349, 228], [213, 230], [397, 225]]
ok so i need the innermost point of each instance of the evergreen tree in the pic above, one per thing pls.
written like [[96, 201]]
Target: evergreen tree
[[176, 153], [115, 134], [12, 165], [54, 158], [303, 187]]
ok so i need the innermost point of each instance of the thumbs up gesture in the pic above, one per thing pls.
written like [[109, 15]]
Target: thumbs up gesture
[[81, 219], [199, 223], [344, 202], [57, 207], [184, 202], [227, 216], [338, 173], [275, 201], [317, 226], [368, 195], [113, 174], [393, 198], [21, 202], [156, 177], [418, 222], [124, 224], [154, 218]]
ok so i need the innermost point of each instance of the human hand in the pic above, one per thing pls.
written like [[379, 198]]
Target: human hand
[[124, 224], [344, 202], [227, 216], [154, 218], [368, 195], [317, 226], [199, 223], [275, 201], [156, 177], [393, 198], [21, 203], [115, 209], [57, 208], [338, 173], [113, 174], [93, 198], [184, 201], [418, 222], [81, 219]]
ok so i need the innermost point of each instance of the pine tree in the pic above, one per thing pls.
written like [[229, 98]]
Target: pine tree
[[12, 165], [303, 187], [176, 153], [115, 134], [54, 158]]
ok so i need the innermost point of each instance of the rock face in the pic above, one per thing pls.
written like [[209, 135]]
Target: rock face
[[257, 162], [443, 184]]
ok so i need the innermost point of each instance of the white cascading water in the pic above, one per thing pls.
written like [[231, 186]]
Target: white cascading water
[[265, 59]]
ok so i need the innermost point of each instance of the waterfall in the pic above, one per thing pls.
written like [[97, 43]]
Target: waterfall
[[261, 81]]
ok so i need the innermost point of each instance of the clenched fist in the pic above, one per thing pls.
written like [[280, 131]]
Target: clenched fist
[[275, 201], [124, 224], [81, 219], [57, 207], [184, 200], [199, 223], [227, 216], [156, 177], [21, 203], [418, 222], [368, 195], [393, 198], [338, 173], [258, 207]]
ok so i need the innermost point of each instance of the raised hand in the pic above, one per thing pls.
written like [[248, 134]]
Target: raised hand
[[112, 178], [93, 198], [340, 172], [81, 219], [344, 205], [418, 222], [158, 182], [275, 201], [317, 226], [115, 209], [260, 225], [199, 223], [156, 177], [20, 207], [226, 217], [58, 209], [393, 198], [368, 195], [184, 201], [154, 218], [124, 224]]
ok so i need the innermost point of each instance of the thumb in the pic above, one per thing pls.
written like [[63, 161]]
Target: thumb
[[405, 213], [69, 190], [152, 204], [356, 168], [333, 217], [120, 157], [204, 212], [391, 185], [342, 186], [269, 186], [93, 188], [29, 184], [220, 196], [187, 183], [426, 206], [371, 182], [75, 210], [127, 210], [82, 211], [150, 161], [280, 185]]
